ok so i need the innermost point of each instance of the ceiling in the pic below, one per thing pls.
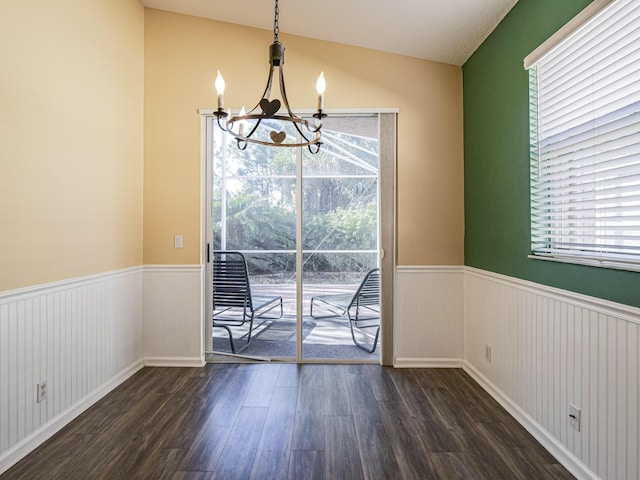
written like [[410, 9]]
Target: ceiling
[[446, 31]]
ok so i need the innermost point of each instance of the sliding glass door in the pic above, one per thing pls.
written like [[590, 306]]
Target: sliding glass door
[[308, 226]]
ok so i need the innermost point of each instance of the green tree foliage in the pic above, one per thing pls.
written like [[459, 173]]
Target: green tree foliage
[[338, 213]]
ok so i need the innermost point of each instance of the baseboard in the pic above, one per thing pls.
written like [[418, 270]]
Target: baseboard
[[548, 441], [174, 362], [38, 437], [408, 362]]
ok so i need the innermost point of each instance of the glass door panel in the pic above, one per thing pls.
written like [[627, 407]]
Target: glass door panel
[[254, 212], [339, 234]]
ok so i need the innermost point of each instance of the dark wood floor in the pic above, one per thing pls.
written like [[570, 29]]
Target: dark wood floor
[[285, 421]]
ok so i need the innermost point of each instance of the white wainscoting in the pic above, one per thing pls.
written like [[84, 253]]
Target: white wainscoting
[[429, 316], [82, 336], [551, 348], [173, 327]]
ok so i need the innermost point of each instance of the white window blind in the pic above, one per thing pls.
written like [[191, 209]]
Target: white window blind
[[585, 142]]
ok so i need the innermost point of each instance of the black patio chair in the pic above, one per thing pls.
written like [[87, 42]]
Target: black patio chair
[[233, 303], [362, 308]]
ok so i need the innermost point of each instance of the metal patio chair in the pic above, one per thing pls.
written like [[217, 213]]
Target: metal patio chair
[[233, 303], [361, 308]]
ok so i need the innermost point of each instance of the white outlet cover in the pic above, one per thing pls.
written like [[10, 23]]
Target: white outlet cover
[[41, 393], [574, 417], [487, 353]]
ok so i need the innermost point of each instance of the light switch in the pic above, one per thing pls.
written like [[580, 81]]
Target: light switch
[[177, 241]]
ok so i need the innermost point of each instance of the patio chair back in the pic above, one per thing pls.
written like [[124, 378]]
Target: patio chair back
[[230, 281], [231, 291], [368, 294]]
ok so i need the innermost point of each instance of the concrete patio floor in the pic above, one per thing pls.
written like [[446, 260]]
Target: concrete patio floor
[[326, 338]]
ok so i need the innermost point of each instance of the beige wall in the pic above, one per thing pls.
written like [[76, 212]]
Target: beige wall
[[71, 98], [182, 54], [71, 92]]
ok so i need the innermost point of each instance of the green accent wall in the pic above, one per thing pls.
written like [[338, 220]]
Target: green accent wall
[[496, 172]]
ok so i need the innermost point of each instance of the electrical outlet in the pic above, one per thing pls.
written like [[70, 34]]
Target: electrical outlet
[[41, 392], [574, 417], [487, 353], [177, 241]]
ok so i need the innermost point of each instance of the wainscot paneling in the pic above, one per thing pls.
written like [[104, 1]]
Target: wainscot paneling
[[173, 328], [429, 319], [82, 337], [551, 348]]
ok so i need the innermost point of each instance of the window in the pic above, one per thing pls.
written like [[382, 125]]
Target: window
[[585, 140]]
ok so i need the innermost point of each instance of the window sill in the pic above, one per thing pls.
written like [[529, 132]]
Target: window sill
[[590, 261]]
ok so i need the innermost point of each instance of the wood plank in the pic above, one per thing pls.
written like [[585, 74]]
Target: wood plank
[[335, 394], [408, 386], [429, 378], [382, 384], [261, 390], [237, 456], [362, 397], [455, 466], [197, 399], [182, 475], [289, 375], [307, 464], [374, 440], [442, 422], [308, 430], [47, 462], [342, 456], [207, 446], [499, 458], [424, 408], [132, 458], [471, 400], [91, 461], [274, 451], [96, 421], [160, 465], [407, 446]]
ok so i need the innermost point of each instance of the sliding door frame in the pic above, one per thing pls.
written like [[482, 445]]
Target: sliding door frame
[[387, 124], [387, 234]]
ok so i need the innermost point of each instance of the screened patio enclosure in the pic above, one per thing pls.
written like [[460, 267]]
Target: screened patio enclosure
[[308, 225]]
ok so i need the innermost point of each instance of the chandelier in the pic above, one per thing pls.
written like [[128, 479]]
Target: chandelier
[[256, 126]]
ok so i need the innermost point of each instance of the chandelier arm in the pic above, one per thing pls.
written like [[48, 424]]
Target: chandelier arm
[[283, 90], [218, 117], [295, 124], [316, 128], [313, 151], [267, 90], [309, 141], [255, 127], [294, 120]]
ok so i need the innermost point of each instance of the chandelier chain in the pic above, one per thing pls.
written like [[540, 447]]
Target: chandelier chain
[[276, 26]]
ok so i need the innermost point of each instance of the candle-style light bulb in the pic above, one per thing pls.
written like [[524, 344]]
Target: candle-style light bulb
[[321, 85], [242, 122], [219, 83]]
